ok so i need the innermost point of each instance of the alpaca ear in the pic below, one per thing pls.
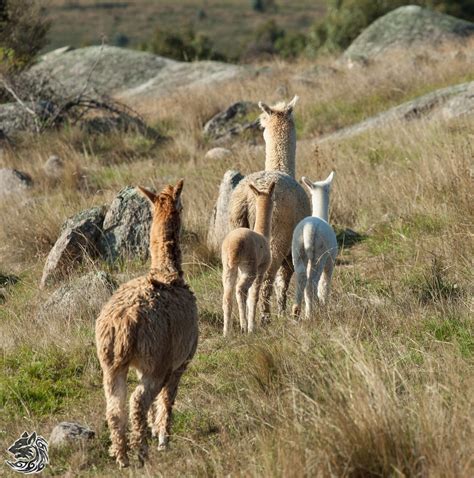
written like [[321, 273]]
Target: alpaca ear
[[178, 189], [254, 189], [271, 189], [265, 108], [330, 178], [148, 194], [292, 104], [307, 183]]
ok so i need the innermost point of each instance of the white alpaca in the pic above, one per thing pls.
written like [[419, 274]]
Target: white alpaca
[[314, 249]]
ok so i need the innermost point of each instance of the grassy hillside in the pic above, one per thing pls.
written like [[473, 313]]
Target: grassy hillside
[[378, 384], [229, 24]]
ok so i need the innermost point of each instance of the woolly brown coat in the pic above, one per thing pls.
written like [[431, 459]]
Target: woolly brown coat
[[150, 324]]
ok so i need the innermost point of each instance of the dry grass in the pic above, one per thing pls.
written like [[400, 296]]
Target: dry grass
[[378, 384]]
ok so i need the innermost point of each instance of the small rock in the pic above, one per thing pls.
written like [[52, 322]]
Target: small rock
[[13, 181], [126, 227], [219, 223], [87, 292], [79, 237], [218, 154], [66, 432], [54, 167], [235, 120]]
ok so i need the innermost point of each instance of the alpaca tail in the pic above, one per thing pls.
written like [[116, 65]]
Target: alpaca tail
[[239, 211], [114, 345]]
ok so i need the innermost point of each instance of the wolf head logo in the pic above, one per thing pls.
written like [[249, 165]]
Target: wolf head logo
[[30, 452]]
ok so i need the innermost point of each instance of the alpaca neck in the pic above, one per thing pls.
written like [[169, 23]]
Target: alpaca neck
[[280, 152], [263, 218], [165, 253], [320, 199]]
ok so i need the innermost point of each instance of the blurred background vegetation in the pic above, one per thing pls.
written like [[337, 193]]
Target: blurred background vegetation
[[237, 31]]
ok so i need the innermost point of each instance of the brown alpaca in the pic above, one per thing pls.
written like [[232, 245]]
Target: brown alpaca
[[247, 254], [151, 325]]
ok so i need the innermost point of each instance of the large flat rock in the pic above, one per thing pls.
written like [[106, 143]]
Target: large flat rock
[[446, 103], [130, 73]]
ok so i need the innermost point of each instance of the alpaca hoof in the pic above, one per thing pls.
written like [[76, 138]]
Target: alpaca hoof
[[296, 311], [123, 462], [265, 320], [163, 442], [162, 446]]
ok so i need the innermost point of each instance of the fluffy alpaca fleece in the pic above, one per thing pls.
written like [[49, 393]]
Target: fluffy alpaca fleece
[[151, 325], [314, 249], [246, 255], [291, 201]]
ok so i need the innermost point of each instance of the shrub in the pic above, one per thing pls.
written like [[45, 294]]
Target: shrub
[[183, 46], [23, 30]]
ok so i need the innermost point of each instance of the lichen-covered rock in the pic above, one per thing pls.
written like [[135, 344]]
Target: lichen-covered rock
[[132, 74], [79, 237], [238, 118], [66, 433], [405, 27], [126, 227], [219, 223], [81, 295], [14, 118], [13, 182]]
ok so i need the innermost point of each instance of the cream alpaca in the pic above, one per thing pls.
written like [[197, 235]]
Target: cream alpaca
[[246, 254], [291, 201], [314, 249], [151, 325]]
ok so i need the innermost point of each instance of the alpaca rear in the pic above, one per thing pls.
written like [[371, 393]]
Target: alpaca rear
[[314, 250], [246, 257], [151, 325]]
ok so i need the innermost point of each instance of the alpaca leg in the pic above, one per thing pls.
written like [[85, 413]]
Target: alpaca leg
[[282, 282], [115, 387], [325, 281], [229, 277], [140, 402], [252, 301], [246, 279], [315, 269], [300, 288], [164, 407], [267, 288]]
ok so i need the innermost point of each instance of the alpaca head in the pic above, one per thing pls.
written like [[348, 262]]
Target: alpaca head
[[320, 195], [278, 118], [280, 136], [167, 205], [264, 200]]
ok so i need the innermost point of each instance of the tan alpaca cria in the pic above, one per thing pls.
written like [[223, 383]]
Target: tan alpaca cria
[[151, 325], [246, 257]]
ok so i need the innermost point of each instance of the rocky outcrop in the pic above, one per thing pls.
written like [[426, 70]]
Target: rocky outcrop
[[126, 227], [130, 73], [219, 223], [447, 103], [15, 118], [85, 293], [66, 433], [79, 238], [218, 154], [13, 182], [406, 27], [238, 118]]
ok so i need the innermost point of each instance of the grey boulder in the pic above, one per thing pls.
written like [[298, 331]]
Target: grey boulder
[[66, 433], [126, 227], [13, 182]]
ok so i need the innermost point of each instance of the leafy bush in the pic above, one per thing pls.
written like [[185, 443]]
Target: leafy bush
[[23, 30], [183, 46], [270, 40], [346, 19]]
